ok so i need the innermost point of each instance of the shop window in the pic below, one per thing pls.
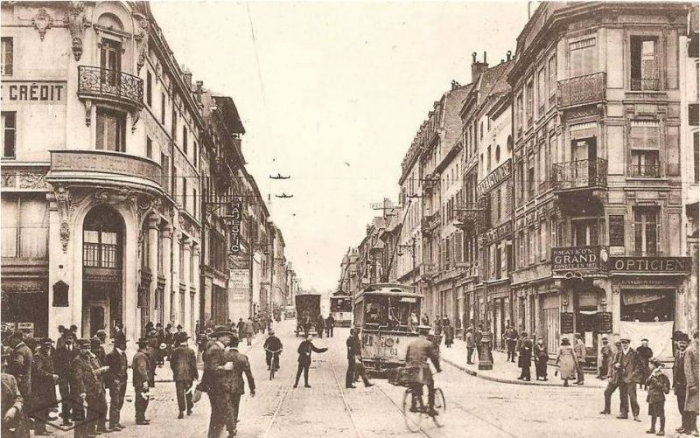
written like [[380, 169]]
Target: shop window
[[647, 306], [7, 56], [9, 131], [646, 231], [583, 57], [644, 63], [111, 131]]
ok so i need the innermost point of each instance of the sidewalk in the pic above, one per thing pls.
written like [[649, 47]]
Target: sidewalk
[[507, 372]]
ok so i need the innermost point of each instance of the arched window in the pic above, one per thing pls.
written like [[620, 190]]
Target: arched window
[[498, 153], [110, 21], [102, 235]]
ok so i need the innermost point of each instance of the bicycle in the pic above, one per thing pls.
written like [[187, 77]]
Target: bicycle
[[413, 418], [274, 361]]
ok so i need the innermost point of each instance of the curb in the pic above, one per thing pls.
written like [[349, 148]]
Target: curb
[[508, 381]]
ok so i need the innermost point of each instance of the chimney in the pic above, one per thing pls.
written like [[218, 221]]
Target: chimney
[[508, 55], [478, 67], [200, 84], [187, 77]]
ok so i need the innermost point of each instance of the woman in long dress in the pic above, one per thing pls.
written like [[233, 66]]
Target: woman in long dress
[[566, 361]]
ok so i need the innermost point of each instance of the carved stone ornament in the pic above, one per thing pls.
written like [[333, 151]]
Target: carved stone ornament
[[76, 23], [64, 233], [42, 22], [141, 38]]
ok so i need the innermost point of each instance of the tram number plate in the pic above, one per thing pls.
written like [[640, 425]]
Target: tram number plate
[[393, 351]]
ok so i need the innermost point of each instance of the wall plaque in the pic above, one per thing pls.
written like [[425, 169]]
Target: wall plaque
[[603, 322], [566, 322], [616, 226]]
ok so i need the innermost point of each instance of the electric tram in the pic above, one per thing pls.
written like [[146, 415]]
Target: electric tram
[[387, 316], [341, 309]]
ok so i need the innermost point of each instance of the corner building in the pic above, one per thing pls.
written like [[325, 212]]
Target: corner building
[[598, 202], [100, 171]]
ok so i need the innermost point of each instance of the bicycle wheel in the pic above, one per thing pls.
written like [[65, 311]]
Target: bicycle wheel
[[272, 371], [412, 419], [440, 407]]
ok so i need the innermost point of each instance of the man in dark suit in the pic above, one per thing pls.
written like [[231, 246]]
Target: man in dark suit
[[354, 347], [216, 381], [13, 408], [183, 362], [115, 380], [235, 381], [273, 349], [142, 369], [330, 324], [418, 353], [629, 366], [44, 385], [86, 388], [680, 381], [304, 350], [62, 365], [98, 366], [320, 324], [19, 364], [525, 359]]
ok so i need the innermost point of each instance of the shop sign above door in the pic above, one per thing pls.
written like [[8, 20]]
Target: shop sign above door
[[671, 265], [577, 258]]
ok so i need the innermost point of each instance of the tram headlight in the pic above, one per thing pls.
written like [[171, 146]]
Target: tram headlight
[[389, 342]]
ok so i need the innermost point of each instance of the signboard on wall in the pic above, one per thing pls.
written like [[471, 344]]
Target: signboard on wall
[[239, 284], [33, 92], [603, 321], [616, 228], [576, 258], [566, 322], [674, 265], [236, 210]]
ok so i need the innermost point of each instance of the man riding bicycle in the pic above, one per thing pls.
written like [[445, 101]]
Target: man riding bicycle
[[272, 345], [417, 355]]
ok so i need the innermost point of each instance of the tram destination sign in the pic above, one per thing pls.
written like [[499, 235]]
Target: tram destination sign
[[673, 265], [576, 258]]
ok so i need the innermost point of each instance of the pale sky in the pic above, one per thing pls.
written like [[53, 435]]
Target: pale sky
[[332, 94]]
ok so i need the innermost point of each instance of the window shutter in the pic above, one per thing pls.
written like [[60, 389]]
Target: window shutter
[[633, 240], [658, 236]]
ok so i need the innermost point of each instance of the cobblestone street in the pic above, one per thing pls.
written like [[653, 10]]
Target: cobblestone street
[[475, 407]]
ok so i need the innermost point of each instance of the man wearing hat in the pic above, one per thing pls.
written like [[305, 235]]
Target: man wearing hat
[[580, 352], [97, 358], [304, 351], [645, 353], [630, 371], [690, 364], [98, 348], [272, 344], [235, 381], [183, 362], [62, 366], [19, 364], [119, 334], [658, 385], [613, 378], [115, 380], [606, 353], [418, 353], [525, 359], [43, 385], [59, 341], [142, 370], [215, 382], [354, 347], [87, 389], [12, 404]]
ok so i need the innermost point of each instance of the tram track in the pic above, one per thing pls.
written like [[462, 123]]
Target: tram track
[[278, 408]]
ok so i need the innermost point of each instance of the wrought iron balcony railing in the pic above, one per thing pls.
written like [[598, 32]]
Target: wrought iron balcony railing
[[645, 170], [112, 85], [580, 174], [582, 90]]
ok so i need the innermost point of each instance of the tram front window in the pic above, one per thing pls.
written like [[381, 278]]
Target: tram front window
[[394, 314]]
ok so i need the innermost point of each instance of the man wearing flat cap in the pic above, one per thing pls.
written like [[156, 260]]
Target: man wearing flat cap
[[613, 377], [630, 371], [217, 383], [43, 385], [606, 353], [183, 362], [142, 370], [88, 389]]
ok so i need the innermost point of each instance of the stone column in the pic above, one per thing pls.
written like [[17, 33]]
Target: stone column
[[166, 235], [194, 281], [175, 286], [187, 248], [152, 264]]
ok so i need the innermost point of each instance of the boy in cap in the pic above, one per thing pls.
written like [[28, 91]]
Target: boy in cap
[[606, 354], [659, 386]]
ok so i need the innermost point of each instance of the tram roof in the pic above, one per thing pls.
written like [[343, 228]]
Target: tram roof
[[387, 289]]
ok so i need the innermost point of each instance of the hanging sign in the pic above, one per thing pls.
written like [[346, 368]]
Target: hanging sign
[[236, 227]]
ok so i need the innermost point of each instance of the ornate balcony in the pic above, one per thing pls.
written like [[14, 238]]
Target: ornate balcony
[[104, 168], [581, 174], [110, 85], [473, 217], [430, 223], [582, 90]]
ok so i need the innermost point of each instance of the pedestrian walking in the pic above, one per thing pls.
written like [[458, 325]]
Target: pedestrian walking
[[566, 361], [183, 363], [249, 331], [236, 389], [658, 386], [59, 341], [580, 350], [99, 368], [541, 358], [240, 328], [87, 388], [320, 324], [62, 366], [691, 370], [330, 324], [354, 350], [629, 365], [606, 354], [471, 344], [19, 364], [13, 408], [511, 337], [525, 357], [115, 380], [645, 353], [142, 371], [43, 385], [304, 350], [217, 383], [477, 341], [437, 326], [613, 379], [449, 333]]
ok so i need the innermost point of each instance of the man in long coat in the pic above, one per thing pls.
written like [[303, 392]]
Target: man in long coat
[[580, 351], [183, 362], [115, 381], [320, 324], [19, 364], [525, 359], [630, 368], [511, 337], [86, 388], [234, 380], [216, 384], [142, 371], [354, 347], [97, 361], [679, 379], [43, 385], [606, 354], [304, 350], [691, 391], [62, 365]]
